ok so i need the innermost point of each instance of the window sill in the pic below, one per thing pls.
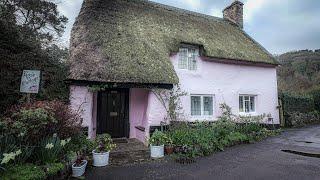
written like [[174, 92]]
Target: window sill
[[248, 114]]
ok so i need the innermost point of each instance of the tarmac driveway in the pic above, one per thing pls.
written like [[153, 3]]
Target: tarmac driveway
[[262, 160]]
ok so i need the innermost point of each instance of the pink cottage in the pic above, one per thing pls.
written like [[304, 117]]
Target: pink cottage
[[121, 50]]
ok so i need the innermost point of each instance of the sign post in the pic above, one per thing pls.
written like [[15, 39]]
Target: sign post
[[30, 81]]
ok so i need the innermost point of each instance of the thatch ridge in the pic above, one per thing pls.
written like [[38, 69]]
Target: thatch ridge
[[130, 41]]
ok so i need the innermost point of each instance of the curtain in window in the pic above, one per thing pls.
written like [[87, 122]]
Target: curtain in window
[[207, 106], [195, 105]]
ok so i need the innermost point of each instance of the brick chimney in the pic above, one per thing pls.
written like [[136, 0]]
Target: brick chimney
[[234, 13]]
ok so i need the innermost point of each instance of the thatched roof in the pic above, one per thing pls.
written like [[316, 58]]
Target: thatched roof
[[131, 40]]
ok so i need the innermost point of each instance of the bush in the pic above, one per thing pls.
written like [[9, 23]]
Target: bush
[[203, 138], [158, 138], [81, 143], [54, 168], [297, 103], [298, 119], [33, 122], [24, 172], [104, 143], [49, 150]]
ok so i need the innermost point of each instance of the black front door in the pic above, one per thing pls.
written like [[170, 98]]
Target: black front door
[[113, 113]]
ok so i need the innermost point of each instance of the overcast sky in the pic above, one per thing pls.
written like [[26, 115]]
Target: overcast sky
[[279, 25]]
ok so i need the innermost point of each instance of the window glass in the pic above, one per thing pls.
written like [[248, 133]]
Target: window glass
[[247, 103], [195, 105], [252, 103], [188, 58], [183, 58], [207, 106], [241, 103]]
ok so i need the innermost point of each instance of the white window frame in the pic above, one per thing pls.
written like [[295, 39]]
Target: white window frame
[[249, 101], [189, 58], [202, 96]]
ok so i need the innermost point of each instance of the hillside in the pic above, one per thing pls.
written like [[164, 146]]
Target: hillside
[[299, 71]]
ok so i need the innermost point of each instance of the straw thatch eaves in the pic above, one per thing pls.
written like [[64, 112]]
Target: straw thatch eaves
[[129, 41]]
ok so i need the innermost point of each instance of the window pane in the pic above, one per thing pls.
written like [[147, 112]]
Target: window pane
[[241, 103], [207, 106], [183, 58], [252, 104], [192, 57], [195, 105], [246, 106]]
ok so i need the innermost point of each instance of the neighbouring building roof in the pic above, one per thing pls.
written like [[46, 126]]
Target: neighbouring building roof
[[131, 40]]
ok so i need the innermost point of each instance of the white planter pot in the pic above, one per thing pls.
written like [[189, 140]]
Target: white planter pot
[[100, 159], [157, 151], [79, 171]]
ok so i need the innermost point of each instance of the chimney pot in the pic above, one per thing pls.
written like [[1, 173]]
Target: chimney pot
[[234, 13]]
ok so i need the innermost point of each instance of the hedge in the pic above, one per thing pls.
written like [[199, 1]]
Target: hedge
[[297, 103]]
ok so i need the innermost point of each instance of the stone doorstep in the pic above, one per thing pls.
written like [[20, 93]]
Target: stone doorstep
[[132, 152]]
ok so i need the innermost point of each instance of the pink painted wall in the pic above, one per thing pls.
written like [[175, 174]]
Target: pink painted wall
[[138, 113], [84, 102], [226, 82]]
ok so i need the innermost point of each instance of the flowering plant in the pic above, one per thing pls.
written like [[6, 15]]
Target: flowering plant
[[158, 138], [104, 143]]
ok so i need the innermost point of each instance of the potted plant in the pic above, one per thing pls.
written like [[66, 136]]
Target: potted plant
[[101, 153], [79, 166], [169, 147], [157, 141]]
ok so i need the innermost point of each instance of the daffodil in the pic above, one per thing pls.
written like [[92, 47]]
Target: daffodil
[[49, 146], [63, 143]]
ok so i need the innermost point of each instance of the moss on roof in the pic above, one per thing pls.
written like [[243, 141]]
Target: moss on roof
[[130, 41]]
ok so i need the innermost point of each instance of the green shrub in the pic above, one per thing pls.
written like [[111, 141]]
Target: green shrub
[[158, 138], [203, 138], [104, 143], [53, 168], [298, 119], [315, 93], [49, 150], [297, 103], [81, 143], [24, 172]]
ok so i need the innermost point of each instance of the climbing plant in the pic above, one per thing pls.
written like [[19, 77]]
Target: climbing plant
[[170, 99]]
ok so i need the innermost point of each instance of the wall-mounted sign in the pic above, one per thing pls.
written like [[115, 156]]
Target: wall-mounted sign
[[30, 81]]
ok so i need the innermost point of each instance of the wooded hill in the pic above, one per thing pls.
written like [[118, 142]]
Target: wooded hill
[[299, 71]]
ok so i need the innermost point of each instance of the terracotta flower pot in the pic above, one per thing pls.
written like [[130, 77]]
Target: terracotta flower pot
[[169, 149]]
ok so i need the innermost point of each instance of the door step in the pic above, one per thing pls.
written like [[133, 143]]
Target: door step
[[120, 140], [132, 152]]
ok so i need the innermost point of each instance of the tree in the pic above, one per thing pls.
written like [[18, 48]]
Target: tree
[[36, 18], [27, 30]]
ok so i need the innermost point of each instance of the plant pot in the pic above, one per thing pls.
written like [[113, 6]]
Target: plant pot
[[169, 149], [157, 151], [100, 159], [79, 171]]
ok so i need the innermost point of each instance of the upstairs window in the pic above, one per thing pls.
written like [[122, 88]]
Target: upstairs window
[[247, 103], [188, 58]]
